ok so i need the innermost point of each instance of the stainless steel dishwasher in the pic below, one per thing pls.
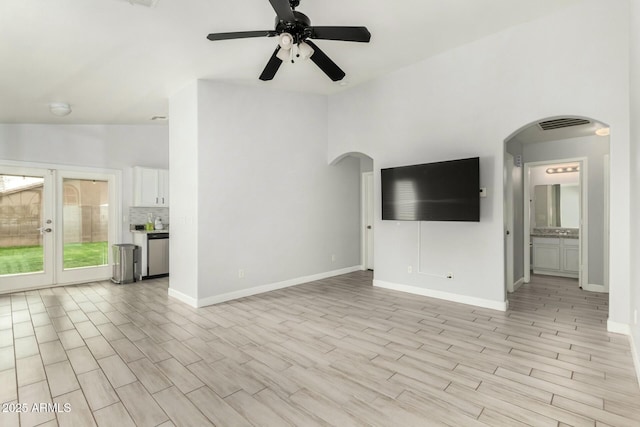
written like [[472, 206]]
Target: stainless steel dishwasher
[[158, 254]]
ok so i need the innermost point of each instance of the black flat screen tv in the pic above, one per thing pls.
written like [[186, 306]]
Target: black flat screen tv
[[442, 191]]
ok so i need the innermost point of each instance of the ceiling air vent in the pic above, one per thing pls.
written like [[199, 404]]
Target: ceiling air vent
[[562, 123]]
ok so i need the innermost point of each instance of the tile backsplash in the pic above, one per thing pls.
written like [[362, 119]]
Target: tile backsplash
[[139, 215]]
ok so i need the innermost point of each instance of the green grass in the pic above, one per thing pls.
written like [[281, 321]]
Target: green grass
[[28, 259]]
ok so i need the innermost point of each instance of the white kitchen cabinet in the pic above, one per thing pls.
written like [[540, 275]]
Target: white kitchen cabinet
[[151, 187], [556, 256]]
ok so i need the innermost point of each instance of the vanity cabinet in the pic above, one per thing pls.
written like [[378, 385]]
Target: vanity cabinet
[[556, 256], [151, 187]]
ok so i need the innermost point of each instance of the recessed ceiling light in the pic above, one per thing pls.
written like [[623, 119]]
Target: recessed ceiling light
[[60, 109], [603, 131]]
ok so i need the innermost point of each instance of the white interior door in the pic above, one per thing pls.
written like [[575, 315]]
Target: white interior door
[[368, 219], [27, 228], [508, 221]]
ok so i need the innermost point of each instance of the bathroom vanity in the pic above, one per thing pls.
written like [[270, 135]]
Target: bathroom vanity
[[555, 254]]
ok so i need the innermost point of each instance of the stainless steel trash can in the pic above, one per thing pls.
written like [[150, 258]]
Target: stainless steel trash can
[[125, 263]]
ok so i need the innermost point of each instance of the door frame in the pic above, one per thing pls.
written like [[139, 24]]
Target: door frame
[[367, 211], [19, 282], [607, 208], [87, 274], [509, 275], [58, 172], [583, 274]]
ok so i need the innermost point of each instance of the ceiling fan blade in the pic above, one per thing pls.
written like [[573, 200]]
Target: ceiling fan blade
[[348, 34], [241, 35], [283, 10], [325, 63], [271, 69]]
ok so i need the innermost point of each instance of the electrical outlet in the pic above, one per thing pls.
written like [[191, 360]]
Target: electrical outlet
[[449, 275], [333, 257], [410, 269], [241, 274]]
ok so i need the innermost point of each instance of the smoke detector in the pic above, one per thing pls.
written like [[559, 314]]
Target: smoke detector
[[60, 109], [147, 3]]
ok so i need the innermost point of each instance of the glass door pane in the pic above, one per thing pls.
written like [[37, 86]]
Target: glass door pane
[[85, 225], [26, 228], [21, 248]]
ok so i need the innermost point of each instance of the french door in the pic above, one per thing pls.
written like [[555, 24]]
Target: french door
[[56, 226]]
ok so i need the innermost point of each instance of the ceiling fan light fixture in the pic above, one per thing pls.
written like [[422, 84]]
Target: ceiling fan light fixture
[[286, 41], [304, 51], [284, 54], [60, 109]]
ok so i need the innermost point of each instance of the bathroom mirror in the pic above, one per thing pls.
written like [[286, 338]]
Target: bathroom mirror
[[557, 205]]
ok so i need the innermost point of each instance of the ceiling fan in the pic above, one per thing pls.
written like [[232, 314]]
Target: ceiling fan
[[294, 30]]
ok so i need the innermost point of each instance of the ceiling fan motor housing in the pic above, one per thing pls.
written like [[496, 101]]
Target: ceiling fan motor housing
[[299, 28]]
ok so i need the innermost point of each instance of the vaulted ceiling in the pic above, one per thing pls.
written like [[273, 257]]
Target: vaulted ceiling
[[118, 63]]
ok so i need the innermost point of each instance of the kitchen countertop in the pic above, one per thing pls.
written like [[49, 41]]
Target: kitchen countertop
[[149, 231], [555, 235]]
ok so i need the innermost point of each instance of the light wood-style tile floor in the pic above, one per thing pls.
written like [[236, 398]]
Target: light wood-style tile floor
[[334, 352]]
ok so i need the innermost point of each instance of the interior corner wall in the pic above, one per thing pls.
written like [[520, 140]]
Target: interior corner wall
[[465, 102], [634, 74], [183, 188], [270, 207]]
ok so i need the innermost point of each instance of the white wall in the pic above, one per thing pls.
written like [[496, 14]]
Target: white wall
[[267, 201], [634, 74], [99, 146], [464, 103], [183, 194]]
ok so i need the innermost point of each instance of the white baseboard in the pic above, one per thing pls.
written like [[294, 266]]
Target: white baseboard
[[635, 356], [215, 299], [618, 328], [193, 302], [518, 283], [624, 329], [592, 287], [479, 302]]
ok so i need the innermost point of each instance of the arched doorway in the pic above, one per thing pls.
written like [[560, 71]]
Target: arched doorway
[[543, 160], [367, 214]]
